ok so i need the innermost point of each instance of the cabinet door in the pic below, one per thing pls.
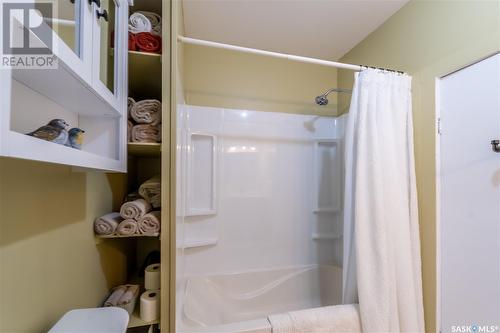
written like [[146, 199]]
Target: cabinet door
[[69, 19], [110, 26]]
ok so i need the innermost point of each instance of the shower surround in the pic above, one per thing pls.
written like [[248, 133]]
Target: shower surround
[[260, 215]]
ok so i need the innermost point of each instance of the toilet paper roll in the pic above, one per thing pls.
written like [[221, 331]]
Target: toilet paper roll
[[152, 277], [150, 305]]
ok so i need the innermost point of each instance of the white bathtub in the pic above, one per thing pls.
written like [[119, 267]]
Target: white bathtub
[[235, 303]]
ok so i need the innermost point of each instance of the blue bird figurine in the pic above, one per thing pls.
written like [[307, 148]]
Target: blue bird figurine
[[75, 138], [55, 131]]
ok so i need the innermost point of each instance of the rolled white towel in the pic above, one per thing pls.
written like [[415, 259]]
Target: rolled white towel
[[139, 23], [135, 209], [107, 224], [147, 111], [154, 19], [328, 319], [115, 296], [127, 227], [150, 223]]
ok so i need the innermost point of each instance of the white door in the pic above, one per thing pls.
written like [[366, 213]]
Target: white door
[[469, 104]]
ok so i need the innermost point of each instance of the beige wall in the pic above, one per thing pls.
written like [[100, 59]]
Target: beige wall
[[49, 260], [429, 39], [221, 78]]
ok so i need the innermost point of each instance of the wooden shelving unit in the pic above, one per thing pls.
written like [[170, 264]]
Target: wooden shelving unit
[[144, 162]]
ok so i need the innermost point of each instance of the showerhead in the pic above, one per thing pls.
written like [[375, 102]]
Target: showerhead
[[323, 100]]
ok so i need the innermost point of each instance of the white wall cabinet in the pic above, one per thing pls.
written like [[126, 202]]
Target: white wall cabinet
[[88, 88]]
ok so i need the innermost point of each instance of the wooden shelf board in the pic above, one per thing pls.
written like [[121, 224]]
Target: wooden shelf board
[[144, 75], [144, 149], [146, 54], [125, 236], [136, 321], [137, 53]]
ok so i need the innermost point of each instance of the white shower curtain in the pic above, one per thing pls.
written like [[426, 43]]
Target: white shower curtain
[[382, 267]]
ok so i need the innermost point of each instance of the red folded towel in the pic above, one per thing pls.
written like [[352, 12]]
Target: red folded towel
[[147, 42], [132, 43]]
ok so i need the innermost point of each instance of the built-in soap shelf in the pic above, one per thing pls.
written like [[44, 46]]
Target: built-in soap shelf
[[192, 243], [326, 210], [326, 236], [327, 176], [201, 191], [202, 174]]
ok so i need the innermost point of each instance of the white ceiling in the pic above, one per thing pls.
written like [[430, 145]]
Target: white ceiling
[[325, 29]]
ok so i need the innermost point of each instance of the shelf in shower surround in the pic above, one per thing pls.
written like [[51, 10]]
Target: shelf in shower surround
[[198, 243], [328, 178], [326, 210], [326, 236], [144, 149]]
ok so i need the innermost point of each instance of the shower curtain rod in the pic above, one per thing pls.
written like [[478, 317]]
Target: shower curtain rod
[[194, 41]]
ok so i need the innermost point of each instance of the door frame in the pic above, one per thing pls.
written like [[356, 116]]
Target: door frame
[[437, 149]]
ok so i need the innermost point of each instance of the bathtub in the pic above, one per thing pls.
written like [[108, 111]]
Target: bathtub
[[237, 303]]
